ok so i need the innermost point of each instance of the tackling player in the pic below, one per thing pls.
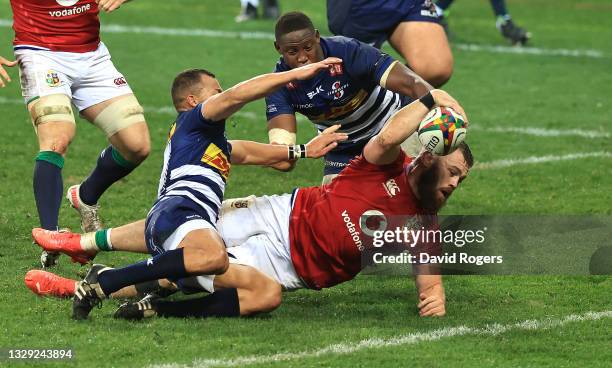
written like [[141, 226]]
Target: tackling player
[[180, 229], [360, 94], [412, 27], [281, 242], [62, 62]]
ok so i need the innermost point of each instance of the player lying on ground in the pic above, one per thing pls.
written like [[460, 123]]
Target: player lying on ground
[[303, 240], [62, 62], [361, 93], [180, 230]]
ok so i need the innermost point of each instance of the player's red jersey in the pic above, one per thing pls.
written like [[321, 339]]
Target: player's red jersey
[[58, 25], [325, 233]]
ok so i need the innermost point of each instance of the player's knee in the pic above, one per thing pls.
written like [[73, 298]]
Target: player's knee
[[137, 152], [58, 143], [436, 73], [219, 261], [272, 298]]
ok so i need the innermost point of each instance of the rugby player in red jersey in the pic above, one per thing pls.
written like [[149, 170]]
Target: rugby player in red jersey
[[313, 238], [62, 62]]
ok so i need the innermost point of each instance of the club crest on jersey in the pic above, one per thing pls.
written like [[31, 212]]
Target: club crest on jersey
[[291, 86], [337, 90], [215, 157], [52, 78], [391, 187], [335, 70]]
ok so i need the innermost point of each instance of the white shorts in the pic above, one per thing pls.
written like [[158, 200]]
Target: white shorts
[[257, 235], [87, 78]]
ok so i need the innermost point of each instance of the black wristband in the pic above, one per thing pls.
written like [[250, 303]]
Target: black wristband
[[428, 101]]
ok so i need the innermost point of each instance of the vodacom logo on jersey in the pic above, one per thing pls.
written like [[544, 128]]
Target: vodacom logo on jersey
[[71, 11]]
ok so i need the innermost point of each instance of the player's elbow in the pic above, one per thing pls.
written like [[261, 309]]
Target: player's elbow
[[284, 166]]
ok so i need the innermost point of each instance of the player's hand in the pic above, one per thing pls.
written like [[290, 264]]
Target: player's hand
[[310, 70], [326, 141], [432, 302], [3, 74], [110, 5], [441, 98]]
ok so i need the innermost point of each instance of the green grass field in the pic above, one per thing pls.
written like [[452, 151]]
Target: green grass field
[[499, 89]]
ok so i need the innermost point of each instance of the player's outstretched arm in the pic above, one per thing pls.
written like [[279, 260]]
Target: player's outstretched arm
[[403, 80], [3, 74], [224, 104], [253, 153], [110, 5], [282, 129], [384, 148]]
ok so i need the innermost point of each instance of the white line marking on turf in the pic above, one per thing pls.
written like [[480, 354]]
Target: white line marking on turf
[[401, 340], [539, 160], [545, 132], [213, 33]]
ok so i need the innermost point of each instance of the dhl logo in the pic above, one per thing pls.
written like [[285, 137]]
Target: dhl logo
[[341, 110], [215, 157]]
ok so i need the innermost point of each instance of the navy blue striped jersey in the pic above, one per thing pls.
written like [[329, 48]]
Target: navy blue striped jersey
[[196, 162], [348, 94]]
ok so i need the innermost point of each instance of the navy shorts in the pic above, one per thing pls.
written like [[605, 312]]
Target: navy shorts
[[373, 21], [170, 220], [338, 159]]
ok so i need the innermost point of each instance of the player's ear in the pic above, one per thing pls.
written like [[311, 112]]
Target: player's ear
[[317, 36], [277, 47], [426, 158]]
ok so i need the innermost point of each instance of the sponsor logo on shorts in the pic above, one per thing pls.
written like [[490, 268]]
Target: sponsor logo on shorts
[[391, 187], [272, 108], [72, 11], [352, 229], [120, 82], [429, 9], [52, 79]]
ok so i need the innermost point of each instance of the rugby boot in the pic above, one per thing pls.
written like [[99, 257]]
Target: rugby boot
[[43, 283], [62, 241], [145, 308], [88, 293], [90, 221], [248, 12], [513, 33]]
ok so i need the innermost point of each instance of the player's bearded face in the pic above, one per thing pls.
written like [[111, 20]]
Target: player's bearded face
[[440, 179], [431, 199], [300, 48]]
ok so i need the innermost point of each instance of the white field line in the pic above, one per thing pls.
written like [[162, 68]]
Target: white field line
[[545, 132], [213, 33], [540, 160], [401, 340]]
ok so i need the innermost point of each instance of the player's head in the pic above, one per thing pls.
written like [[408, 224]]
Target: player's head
[[192, 87], [439, 176], [297, 40]]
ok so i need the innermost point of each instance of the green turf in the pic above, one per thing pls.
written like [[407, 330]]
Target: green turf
[[496, 89]]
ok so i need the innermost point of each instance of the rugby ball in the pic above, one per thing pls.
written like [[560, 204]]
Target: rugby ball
[[442, 130]]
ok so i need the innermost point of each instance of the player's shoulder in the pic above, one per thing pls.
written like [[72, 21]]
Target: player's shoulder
[[281, 66], [339, 44]]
